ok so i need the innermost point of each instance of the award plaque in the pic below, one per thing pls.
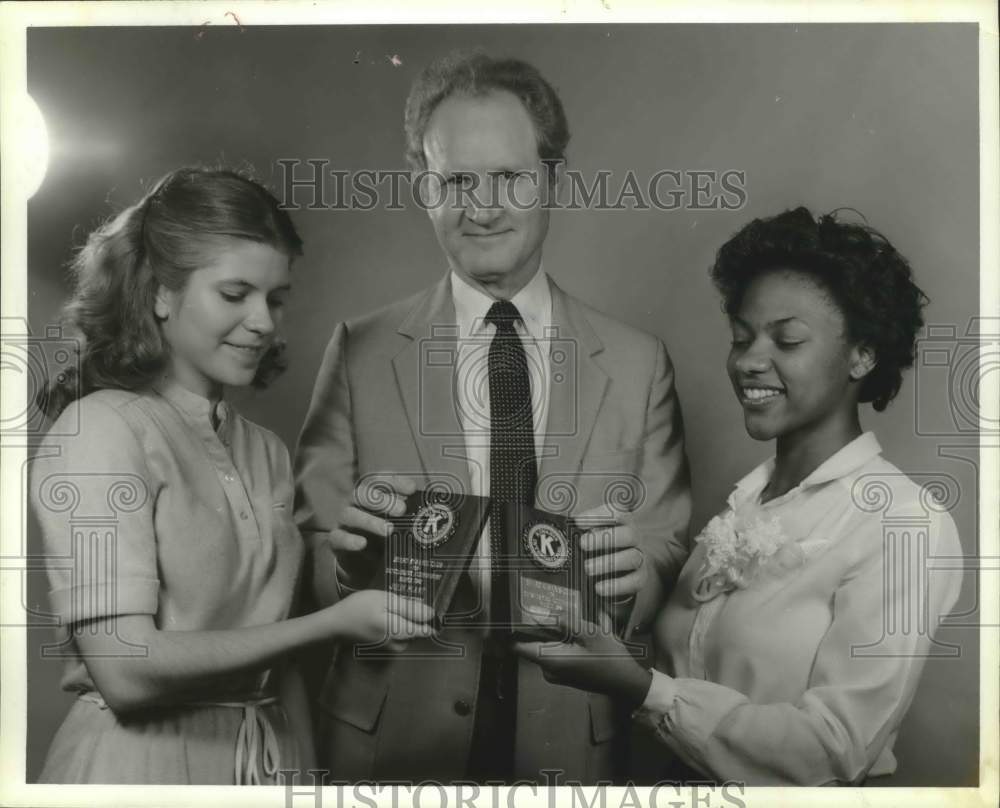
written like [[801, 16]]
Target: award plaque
[[547, 580], [430, 545]]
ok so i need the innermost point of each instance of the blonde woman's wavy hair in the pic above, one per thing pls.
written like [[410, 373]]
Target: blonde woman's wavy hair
[[172, 231]]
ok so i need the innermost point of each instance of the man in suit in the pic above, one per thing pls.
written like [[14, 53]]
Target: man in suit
[[428, 390]]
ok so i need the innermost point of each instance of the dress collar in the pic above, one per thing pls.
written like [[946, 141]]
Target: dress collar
[[845, 460]]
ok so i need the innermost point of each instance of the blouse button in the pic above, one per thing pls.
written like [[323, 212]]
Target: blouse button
[[243, 515], [229, 478], [462, 707]]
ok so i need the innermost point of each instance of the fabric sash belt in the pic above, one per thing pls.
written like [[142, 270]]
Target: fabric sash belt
[[256, 743]]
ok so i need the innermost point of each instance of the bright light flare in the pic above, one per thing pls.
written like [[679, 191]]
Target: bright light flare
[[31, 159]]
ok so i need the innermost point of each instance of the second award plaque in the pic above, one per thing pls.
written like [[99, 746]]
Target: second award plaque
[[430, 546], [547, 580]]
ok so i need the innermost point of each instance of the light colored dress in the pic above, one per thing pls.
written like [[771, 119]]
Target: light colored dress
[[146, 508], [793, 658]]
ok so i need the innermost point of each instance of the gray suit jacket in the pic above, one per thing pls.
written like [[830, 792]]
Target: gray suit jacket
[[383, 403]]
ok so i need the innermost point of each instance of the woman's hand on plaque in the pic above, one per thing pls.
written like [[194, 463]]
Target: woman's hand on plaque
[[373, 616], [592, 659]]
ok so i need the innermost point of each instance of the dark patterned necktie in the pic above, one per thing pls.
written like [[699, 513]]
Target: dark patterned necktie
[[513, 474]]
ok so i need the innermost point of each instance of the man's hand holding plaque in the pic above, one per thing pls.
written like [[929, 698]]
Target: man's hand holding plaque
[[614, 559], [614, 562]]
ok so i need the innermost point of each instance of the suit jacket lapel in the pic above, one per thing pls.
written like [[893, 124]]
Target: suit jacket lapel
[[577, 389], [425, 375]]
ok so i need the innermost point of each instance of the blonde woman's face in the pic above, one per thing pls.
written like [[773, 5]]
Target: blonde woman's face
[[220, 324]]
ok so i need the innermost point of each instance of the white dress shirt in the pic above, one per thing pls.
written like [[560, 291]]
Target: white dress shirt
[[534, 302], [803, 676]]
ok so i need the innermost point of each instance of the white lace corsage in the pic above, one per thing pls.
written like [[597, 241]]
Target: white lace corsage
[[736, 547]]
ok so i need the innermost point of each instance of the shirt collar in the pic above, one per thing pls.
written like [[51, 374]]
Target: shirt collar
[[533, 301], [845, 460]]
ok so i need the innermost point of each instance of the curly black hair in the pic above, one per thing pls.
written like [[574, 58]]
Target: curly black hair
[[866, 277]]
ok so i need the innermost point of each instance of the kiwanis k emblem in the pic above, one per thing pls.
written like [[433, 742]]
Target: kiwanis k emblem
[[547, 545], [433, 524]]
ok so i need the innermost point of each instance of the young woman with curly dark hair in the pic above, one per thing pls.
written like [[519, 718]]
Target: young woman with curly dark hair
[[177, 616], [792, 643]]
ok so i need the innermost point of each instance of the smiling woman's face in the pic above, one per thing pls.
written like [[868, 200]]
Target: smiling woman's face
[[791, 364], [220, 324]]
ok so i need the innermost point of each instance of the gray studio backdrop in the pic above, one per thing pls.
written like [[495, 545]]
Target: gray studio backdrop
[[882, 118]]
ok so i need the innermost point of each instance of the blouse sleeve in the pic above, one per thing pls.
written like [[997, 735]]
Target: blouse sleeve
[[854, 701], [284, 493], [93, 499]]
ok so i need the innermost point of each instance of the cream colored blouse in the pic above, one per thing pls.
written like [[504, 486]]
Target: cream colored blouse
[[793, 658]]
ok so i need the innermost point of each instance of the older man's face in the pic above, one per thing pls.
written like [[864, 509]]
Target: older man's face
[[482, 155]]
